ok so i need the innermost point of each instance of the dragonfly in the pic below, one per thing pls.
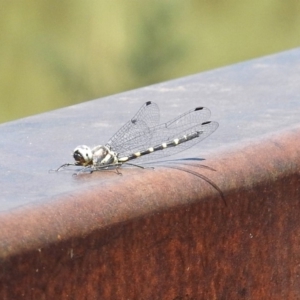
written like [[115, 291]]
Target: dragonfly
[[143, 139]]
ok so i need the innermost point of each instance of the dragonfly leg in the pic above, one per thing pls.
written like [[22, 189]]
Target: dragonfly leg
[[135, 165], [61, 167]]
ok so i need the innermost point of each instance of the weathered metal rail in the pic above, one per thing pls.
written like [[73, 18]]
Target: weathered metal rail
[[164, 233]]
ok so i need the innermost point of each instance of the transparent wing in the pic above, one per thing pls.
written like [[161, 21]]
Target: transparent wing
[[136, 133], [188, 123], [183, 124]]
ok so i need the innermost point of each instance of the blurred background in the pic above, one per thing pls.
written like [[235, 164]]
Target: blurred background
[[58, 53]]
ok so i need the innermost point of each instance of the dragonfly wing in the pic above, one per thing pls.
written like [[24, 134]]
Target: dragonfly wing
[[187, 123], [205, 129], [136, 133], [181, 125]]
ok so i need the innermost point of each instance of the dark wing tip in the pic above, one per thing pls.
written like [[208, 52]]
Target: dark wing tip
[[198, 108], [207, 122]]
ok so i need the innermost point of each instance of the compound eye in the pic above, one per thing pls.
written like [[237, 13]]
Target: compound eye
[[82, 155], [78, 157]]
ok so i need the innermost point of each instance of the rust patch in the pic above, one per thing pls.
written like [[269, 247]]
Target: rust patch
[[171, 238]]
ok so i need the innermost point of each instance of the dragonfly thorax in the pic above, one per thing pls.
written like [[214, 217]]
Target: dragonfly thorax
[[98, 156], [102, 155]]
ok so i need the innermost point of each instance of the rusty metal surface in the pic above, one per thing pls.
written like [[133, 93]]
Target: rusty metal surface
[[162, 233]]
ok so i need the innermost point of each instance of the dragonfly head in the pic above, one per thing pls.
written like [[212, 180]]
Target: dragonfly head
[[83, 155]]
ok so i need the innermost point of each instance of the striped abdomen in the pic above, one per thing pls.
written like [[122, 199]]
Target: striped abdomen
[[162, 146]]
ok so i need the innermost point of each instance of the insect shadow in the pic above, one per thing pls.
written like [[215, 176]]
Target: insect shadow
[[196, 173]]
